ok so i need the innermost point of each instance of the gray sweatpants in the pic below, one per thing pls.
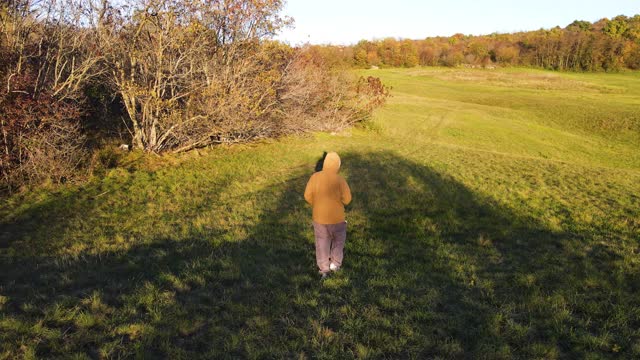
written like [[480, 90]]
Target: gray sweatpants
[[330, 239]]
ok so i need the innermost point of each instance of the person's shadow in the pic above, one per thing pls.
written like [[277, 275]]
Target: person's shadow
[[431, 270]]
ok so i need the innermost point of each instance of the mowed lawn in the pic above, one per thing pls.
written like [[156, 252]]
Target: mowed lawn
[[496, 215]]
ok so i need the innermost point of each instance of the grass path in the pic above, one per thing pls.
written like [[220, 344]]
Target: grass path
[[496, 214]]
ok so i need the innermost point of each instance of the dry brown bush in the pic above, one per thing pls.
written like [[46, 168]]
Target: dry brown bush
[[317, 97], [189, 73], [45, 60], [42, 140], [192, 74]]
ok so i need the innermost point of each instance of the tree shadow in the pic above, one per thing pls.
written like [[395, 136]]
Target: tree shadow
[[432, 270], [39, 224]]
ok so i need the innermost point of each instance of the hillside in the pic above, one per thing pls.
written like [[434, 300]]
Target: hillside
[[495, 215]]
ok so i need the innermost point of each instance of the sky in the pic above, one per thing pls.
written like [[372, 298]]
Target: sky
[[348, 21]]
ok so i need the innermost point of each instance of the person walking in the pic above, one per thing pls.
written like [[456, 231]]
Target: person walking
[[328, 192]]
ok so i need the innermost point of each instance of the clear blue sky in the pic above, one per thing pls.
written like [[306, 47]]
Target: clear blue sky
[[347, 21]]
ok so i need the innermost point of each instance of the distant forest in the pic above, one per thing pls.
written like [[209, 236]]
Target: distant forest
[[606, 45]]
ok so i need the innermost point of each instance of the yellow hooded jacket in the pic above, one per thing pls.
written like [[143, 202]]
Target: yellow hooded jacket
[[328, 192]]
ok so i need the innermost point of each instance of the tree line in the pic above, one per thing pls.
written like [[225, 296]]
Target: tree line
[[605, 45], [161, 75]]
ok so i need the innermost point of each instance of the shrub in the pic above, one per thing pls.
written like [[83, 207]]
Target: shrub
[[185, 73], [41, 140], [316, 97], [46, 58]]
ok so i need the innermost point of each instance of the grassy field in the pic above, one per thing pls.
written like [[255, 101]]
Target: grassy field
[[496, 215]]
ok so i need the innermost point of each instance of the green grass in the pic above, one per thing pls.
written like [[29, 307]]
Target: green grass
[[496, 214]]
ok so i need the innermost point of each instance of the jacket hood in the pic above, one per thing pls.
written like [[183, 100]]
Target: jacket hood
[[331, 163]]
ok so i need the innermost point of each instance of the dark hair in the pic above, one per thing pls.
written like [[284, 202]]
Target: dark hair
[[320, 162]]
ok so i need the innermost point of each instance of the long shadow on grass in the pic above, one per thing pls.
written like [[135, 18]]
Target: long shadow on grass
[[39, 226], [431, 270]]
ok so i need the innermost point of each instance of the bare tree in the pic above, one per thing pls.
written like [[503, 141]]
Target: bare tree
[[183, 68], [45, 63]]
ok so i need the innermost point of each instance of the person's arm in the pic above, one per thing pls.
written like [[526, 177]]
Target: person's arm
[[308, 192], [346, 192]]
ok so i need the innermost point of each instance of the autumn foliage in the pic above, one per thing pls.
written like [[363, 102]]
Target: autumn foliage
[[183, 74], [174, 75], [606, 45], [45, 62]]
